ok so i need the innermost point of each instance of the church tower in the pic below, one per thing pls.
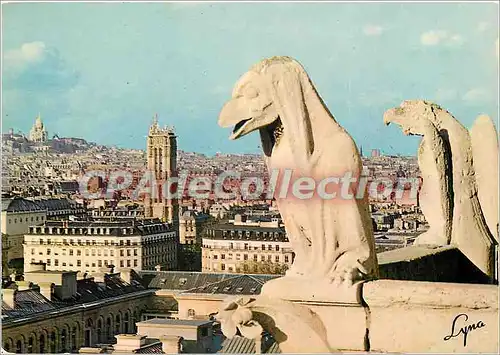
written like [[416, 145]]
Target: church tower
[[162, 163]]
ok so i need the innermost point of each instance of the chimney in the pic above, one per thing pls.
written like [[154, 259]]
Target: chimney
[[158, 267], [126, 275], [66, 287], [99, 277], [46, 289], [9, 297], [171, 344], [23, 285], [128, 343]]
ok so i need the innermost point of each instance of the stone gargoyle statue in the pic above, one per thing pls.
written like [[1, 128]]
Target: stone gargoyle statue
[[331, 235], [294, 327], [459, 196]]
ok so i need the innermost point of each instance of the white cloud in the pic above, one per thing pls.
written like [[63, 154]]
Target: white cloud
[[482, 26], [28, 53], [432, 38], [373, 30], [435, 37], [455, 40], [476, 95]]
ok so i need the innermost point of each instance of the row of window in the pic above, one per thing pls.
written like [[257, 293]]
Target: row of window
[[255, 257], [247, 233], [127, 242], [246, 246], [88, 252], [100, 263], [31, 219]]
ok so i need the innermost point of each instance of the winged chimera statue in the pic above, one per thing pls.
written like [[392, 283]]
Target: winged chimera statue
[[332, 238], [459, 196]]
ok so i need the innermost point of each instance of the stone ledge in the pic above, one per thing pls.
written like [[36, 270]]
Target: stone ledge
[[382, 293]]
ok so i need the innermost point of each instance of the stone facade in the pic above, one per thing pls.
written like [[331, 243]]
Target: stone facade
[[237, 248], [18, 214], [162, 163], [87, 246]]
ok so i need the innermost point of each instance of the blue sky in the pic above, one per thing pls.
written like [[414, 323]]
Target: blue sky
[[100, 71]]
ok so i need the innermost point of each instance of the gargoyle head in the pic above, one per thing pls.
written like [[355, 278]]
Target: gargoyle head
[[271, 98], [411, 116]]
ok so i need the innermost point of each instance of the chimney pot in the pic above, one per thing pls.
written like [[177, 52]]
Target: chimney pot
[[9, 297]]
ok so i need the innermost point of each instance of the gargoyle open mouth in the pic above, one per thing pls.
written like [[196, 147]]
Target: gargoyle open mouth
[[270, 136], [240, 125]]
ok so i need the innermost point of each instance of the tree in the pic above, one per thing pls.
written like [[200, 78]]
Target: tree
[[262, 267]]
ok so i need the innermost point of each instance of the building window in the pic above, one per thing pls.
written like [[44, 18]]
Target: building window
[[99, 263], [32, 251], [48, 262], [263, 247], [286, 258], [71, 252], [269, 247], [277, 258], [135, 262], [231, 245], [277, 247], [122, 253], [87, 252], [255, 257], [135, 252], [215, 257], [78, 263], [245, 256], [63, 264], [111, 253], [129, 252], [222, 267], [56, 262], [223, 256], [269, 257], [121, 263], [78, 253], [191, 313]]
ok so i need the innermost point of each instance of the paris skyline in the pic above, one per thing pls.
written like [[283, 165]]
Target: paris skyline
[[100, 71]]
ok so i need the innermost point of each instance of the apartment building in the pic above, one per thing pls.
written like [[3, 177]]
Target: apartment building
[[87, 246], [18, 214], [241, 247]]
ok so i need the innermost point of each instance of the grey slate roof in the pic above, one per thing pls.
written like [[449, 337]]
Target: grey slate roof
[[203, 282], [180, 322], [240, 345], [55, 204], [19, 204], [32, 302], [238, 284], [155, 348]]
